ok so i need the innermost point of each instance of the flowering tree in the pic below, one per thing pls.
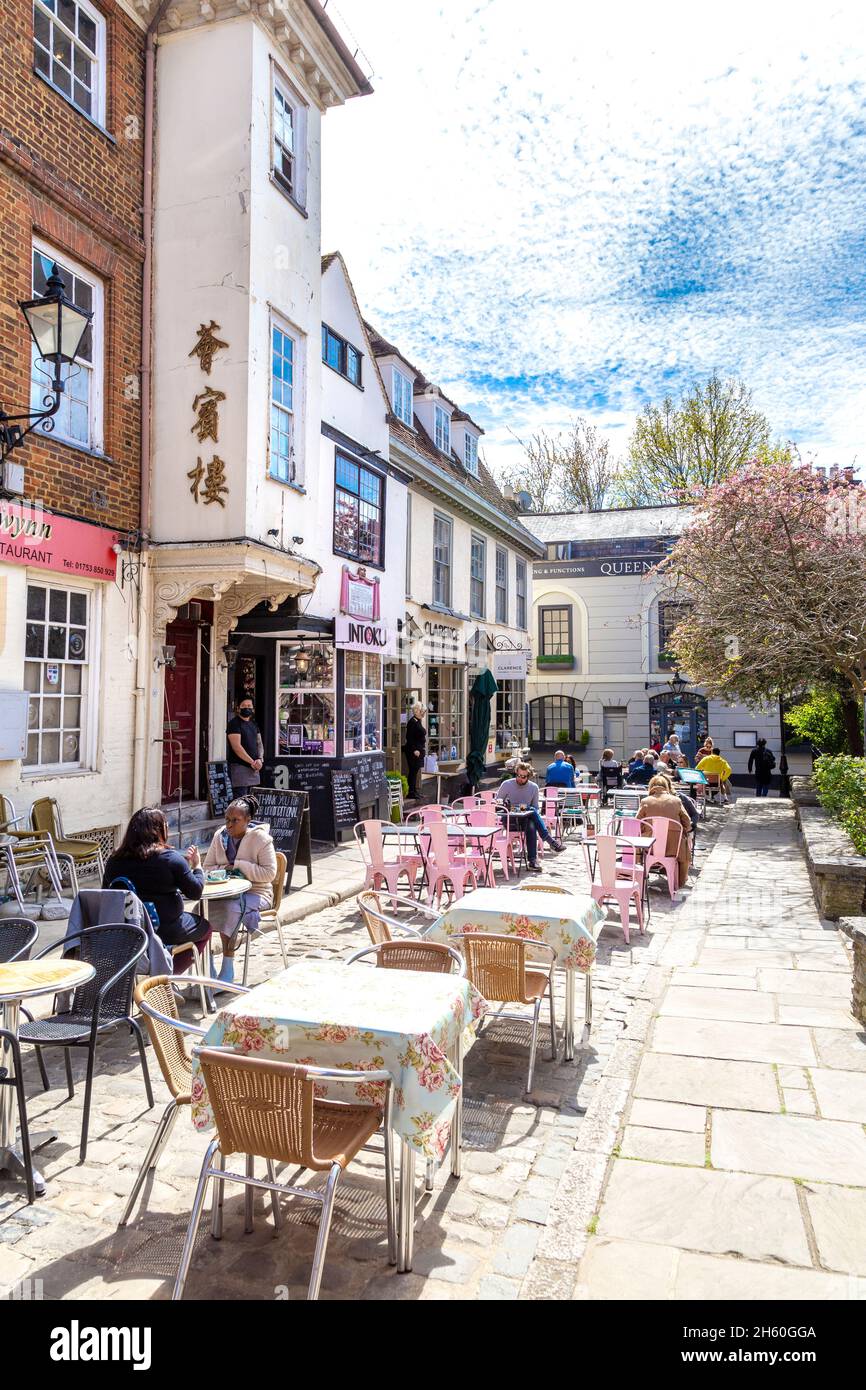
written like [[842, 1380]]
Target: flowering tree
[[774, 567]]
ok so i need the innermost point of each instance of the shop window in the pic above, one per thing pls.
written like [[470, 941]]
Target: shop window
[[362, 727], [555, 719], [358, 511], [306, 699], [57, 676], [445, 712], [79, 419], [510, 715]]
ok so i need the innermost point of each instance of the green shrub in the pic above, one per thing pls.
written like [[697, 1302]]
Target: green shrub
[[818, 720], [584, 738], [840, 781], [563, 736]]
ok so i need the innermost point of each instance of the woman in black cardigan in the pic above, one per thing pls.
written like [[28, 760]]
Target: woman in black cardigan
[[161, 875], [414, 747]]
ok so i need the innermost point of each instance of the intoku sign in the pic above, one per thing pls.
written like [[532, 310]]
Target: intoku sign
[[31, 536], [361, 635]]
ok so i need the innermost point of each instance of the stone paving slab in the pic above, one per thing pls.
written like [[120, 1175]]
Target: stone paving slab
[[729, 1005], [708, 1081], [791, 1145], [699, 979], [752, 1042], [625, 1269], [827, 984], [663, 1145], [668, 1115], [699, 1209], [840, 1049], [841, 1095], [838, 1216]]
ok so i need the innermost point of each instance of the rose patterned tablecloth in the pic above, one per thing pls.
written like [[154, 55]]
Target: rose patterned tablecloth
[[359, 1018], [565, 922]]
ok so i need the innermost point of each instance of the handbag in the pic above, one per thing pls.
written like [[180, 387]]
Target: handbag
[[431, 763]]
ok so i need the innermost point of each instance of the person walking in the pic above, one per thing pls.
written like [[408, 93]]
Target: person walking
[[246, 752], [560, 773], [519, 793], [245, 846], [414, 748], [163, 877], [762, 761]]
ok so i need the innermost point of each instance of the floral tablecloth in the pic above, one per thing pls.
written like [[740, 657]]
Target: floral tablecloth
[[359, 1018], [565, 922]]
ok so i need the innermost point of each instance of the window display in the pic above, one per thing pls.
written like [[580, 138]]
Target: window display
[[362, 728], [445, 713], [306, 699], [510, 714]]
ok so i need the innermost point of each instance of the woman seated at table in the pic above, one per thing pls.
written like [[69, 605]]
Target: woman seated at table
[[609, 772], [162, 876], [248, 848], [662, 801]]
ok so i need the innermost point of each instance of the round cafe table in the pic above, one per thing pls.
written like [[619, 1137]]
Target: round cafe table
[[24, 979]]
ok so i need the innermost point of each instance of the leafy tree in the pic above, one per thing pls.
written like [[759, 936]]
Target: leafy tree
[[572, 471], [774, 566], [676, 450], [819, 720]]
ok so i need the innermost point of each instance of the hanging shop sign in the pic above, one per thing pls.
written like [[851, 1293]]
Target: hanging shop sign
[[443, 643], [358, 635], [359, 596], [31, 536], [511, 665]]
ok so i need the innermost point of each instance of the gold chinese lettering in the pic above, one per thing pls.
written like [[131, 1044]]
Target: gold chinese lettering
[[209, 481], [207, 343], [206, 406]]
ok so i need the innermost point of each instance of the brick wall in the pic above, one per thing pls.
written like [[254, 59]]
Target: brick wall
[[80, 189]]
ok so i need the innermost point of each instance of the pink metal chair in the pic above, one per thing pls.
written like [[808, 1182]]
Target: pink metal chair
[[448, 863], [427, 815], [487, 798], [663, 853], [382, 871], [503, 847], [629, 825], [616, 881], [552, 799]]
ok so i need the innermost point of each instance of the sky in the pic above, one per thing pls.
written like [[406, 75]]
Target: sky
[[560, 209]]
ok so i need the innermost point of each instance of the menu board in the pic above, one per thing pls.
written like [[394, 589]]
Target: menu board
[[370, 772], [287, 814], [219, 788], [344, 793], [314, 776]]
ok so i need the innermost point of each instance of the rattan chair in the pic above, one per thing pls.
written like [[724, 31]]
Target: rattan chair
[[97, 1007], [537, 887], [268, 1109], [157, 1002], [427, 956], [380, 926], [498, 968], [270, 916]]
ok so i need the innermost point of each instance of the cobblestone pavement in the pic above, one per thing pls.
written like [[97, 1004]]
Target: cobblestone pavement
[[492, 1234]]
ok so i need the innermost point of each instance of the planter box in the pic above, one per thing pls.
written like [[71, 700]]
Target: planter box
[[855, 929], [556, 663], [837, 871]]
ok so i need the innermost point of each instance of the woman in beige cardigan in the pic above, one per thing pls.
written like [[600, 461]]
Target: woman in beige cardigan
[[247, 847], [663, 801]]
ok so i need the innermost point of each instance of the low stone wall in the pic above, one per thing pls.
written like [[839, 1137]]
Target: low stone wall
[[837, 872], [855, 928]]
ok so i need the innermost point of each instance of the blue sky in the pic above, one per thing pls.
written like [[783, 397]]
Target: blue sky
[[563, 209]]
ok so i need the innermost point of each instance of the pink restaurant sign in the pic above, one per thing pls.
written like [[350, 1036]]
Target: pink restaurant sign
[[34, 537]]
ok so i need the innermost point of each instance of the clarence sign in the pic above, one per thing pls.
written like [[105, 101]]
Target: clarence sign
[[42, 540]]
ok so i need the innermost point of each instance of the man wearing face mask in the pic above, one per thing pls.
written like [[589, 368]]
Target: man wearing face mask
[[245, 748]]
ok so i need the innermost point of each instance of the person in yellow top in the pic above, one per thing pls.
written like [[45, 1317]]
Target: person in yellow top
[[713, 765]]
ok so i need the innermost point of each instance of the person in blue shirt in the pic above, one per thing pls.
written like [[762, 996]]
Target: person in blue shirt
[[559, 773]]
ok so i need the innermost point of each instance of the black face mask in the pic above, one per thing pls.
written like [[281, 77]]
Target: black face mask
[[246, 713]]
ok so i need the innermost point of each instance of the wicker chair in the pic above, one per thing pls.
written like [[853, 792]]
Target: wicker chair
[[82, 856], [157, 1001], [98, 1007], [427, 956], [268, 1109], [271, 915], [498, 969], [381, 927], [537, 887]]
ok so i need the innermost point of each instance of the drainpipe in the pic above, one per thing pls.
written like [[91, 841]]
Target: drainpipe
[[143, 661]]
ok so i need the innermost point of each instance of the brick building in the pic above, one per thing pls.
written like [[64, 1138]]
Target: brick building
[[72, 92]]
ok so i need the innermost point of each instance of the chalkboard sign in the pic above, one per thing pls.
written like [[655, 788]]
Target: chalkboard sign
[[219, 788], [370, 772], [288, 816], [344, 791]]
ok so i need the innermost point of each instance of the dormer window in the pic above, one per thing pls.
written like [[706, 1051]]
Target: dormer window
[[341, 356], [401, 395], [470, 453], [442, 429]]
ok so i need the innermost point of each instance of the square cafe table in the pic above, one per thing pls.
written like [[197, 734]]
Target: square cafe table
[[329, 1014], [565, 921], [483, 835]]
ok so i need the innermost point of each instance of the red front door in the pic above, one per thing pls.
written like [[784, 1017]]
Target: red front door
[[180, 720]]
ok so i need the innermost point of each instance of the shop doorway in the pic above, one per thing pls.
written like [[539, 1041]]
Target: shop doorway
[[180, 751], [684, 715]]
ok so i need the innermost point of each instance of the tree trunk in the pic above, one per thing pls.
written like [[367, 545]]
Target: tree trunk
[[852, 714]]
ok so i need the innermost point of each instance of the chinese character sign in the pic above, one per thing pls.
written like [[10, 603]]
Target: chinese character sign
[[208, 483]]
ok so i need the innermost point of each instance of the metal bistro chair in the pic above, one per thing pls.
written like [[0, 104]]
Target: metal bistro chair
[[157, 1001], [17, 936], [30, 859], [498, 969], [268, 1109], [80, 856], [97, 1007]]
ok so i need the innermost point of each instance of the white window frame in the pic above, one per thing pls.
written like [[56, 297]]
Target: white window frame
[[449, 568], [292, 98], [402, 393], [470, 453], [91, 683], [501, 588], [277, 320], [521, 599], [96, 436], [98, 59], [480, 610], [442, 426], [366, 692]]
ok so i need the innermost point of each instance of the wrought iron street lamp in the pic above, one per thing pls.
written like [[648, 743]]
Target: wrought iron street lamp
[[57, 327], [677, 684]]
